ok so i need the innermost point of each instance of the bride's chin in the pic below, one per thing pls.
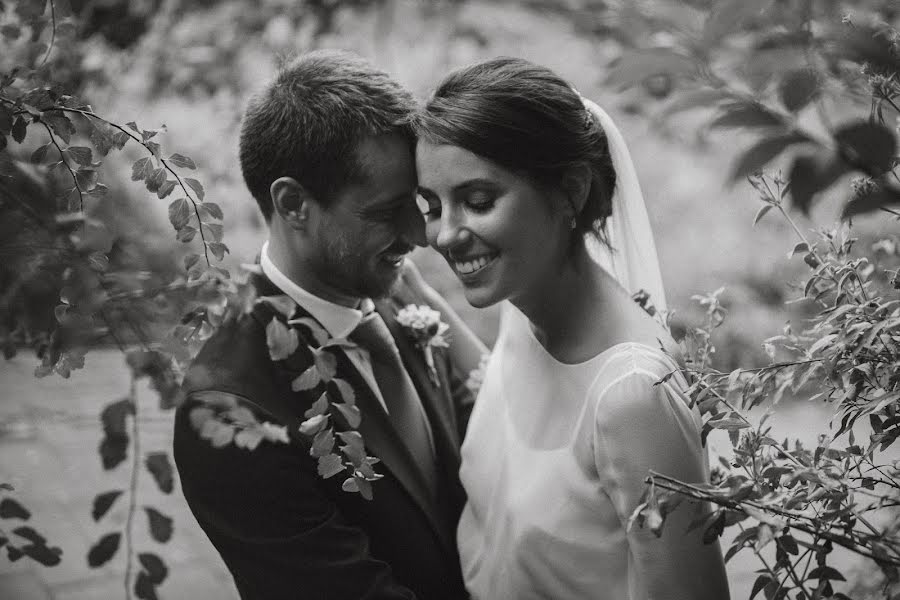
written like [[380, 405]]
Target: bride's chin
[[480, 298]]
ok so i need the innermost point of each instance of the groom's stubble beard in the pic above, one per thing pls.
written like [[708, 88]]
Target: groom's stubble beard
[[344, 267]]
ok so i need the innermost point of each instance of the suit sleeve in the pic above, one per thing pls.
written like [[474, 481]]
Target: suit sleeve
[[640, 427], [278, 533]]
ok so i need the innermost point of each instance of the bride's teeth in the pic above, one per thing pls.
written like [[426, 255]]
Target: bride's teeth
[[470, 266]]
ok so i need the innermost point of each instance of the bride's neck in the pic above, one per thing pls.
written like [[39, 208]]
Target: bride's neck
[[562, 303]]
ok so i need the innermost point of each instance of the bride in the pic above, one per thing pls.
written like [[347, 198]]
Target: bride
[[533, 201]]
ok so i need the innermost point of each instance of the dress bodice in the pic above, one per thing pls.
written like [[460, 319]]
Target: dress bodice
[[553, 464]]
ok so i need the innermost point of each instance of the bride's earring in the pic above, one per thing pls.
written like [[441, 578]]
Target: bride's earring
[[573, 223]]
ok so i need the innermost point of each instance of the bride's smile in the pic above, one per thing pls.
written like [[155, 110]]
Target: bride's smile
[[500, 232]]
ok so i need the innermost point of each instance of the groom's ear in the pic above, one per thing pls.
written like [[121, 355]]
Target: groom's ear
[[576, 184], [291, 201]]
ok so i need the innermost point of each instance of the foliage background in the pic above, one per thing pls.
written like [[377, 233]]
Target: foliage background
[[192, 65]]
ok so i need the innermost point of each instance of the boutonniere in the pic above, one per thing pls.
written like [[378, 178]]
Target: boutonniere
[[424, 326]]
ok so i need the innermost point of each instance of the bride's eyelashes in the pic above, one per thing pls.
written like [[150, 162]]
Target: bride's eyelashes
[[480, 201]]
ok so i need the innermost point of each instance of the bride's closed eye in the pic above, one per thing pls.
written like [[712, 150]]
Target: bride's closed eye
[[480, 200]]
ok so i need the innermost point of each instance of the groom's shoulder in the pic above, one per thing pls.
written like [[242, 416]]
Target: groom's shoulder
[[236, 350]]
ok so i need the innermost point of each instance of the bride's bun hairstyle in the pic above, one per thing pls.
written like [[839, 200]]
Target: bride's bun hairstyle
[[526, 119]]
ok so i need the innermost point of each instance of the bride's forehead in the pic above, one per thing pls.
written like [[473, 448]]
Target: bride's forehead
[[446, 161]]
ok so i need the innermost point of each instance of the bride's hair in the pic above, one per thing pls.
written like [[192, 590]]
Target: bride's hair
[[526, 119]]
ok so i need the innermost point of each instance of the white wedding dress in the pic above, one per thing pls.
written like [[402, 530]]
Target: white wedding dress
[[555, 454], [554, 462]]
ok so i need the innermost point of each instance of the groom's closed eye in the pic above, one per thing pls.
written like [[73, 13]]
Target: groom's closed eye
[[429, 205]]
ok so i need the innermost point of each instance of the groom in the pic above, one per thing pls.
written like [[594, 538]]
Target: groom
[[325, 153]]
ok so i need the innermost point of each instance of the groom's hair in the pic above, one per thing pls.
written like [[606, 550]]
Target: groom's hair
[[307, 123]]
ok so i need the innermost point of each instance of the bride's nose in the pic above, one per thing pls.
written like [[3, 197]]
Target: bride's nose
[[453, 231]]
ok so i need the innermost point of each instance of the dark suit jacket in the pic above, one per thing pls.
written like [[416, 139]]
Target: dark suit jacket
[[282, 530]]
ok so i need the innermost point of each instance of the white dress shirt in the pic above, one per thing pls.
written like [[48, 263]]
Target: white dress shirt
[[339, 321]]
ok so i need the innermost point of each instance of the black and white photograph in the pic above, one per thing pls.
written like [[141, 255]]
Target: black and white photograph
[[449, 299]]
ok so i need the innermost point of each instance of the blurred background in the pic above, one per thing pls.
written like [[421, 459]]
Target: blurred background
[[190, 66]]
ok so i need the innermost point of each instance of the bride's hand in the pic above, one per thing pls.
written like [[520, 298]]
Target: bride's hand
[[413, 279]]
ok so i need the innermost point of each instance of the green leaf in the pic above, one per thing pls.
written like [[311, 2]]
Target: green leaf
[[313, 424], [326, 362], [700, 99], [154, 566], [764, 151], [165, 189], [179, 160], [871, 200], [218, 249], [190, 260], [759, 584], [179, 213], [351, 413], [11, 509], [761, 213], [6, 120], [868, 144], [345, 390], [160, 468], [11, 32], [19, 129], [86, 179], [196, 186], [186, 234], [329, 466], [141, 169], [101, 552], [80, 154], [318, 408], [40, 154], [103, 502], [283, 304], [61, 125], [636, 66], [249, 437], [746, 114], [160, 525], [811, 175], [212, 231], [826, 572], [113, 451], [156, 180], [799, 247], [212, 209], [318, 332], [281, 340], [114, 415], [323, 443], [869, 45], [729, 16], [799, 88]]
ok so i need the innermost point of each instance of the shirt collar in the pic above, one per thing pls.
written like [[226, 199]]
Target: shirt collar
[[339, 321]]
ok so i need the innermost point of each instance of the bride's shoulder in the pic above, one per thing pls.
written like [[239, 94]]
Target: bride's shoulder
[[633, 367]]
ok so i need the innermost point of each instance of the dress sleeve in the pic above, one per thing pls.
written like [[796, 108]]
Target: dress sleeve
[[639, 427]]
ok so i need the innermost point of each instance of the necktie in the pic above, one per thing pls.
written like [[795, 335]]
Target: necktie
[[400, 396]]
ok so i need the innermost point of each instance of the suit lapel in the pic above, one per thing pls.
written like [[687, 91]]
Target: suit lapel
[[436, 401], [381, 438]]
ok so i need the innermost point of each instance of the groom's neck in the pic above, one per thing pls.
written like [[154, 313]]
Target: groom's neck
[[297, 268]]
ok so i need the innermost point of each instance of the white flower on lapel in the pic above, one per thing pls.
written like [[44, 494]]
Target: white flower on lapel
[[424, 326]]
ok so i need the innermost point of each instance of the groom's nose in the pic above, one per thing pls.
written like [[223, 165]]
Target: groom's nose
[[412, 225]]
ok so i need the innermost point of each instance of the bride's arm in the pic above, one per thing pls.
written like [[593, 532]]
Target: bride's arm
[[640, 427], [466, 349]]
